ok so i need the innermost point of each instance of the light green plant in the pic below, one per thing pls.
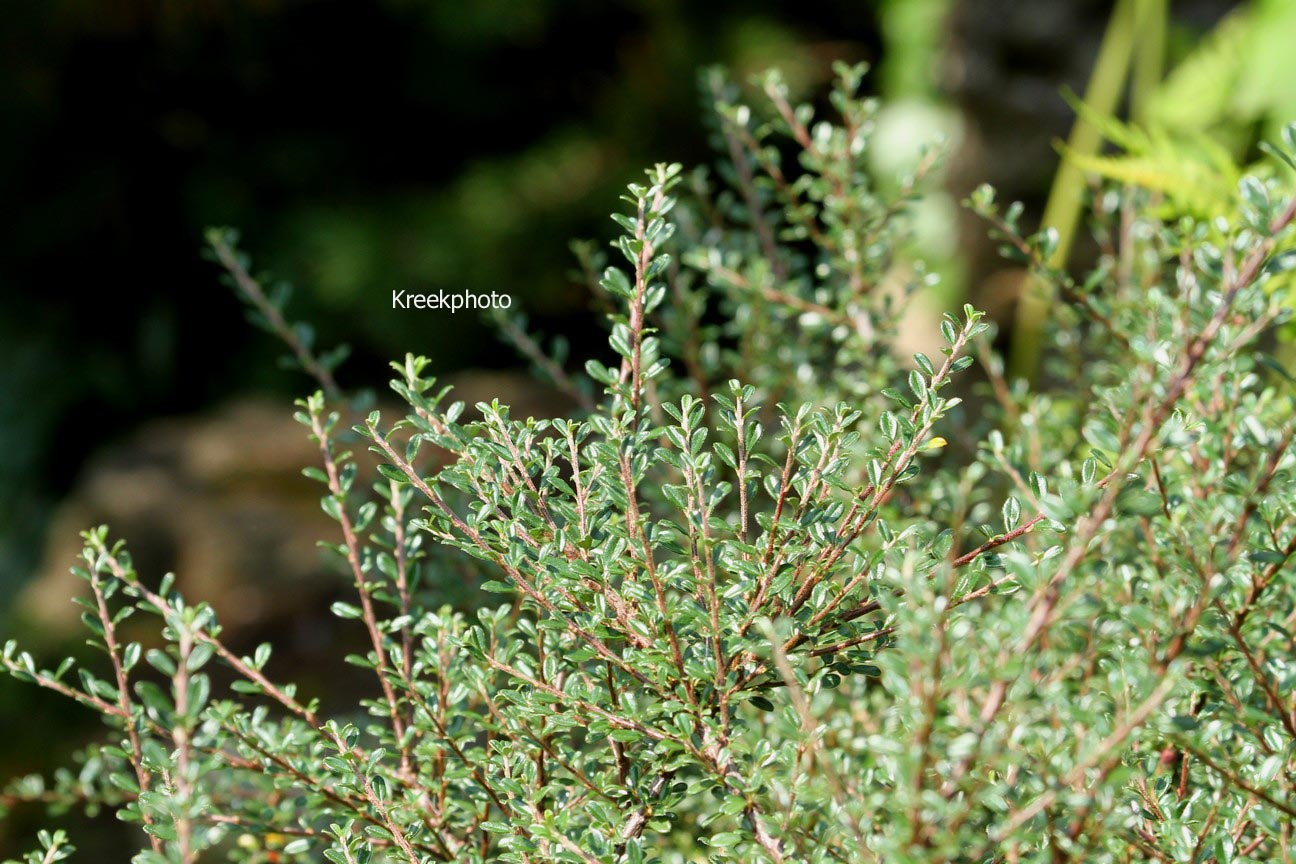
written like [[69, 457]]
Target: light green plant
[[1189, 134]]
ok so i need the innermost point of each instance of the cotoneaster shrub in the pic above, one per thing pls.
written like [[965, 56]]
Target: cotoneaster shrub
[[772, 594]]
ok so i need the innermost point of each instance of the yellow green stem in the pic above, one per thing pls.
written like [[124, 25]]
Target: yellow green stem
[[1103, 94], [1149, 58]]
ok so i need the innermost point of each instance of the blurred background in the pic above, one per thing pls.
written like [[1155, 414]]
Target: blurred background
[[363, 147]]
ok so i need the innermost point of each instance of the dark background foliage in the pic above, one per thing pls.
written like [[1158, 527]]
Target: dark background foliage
[[359, 147]]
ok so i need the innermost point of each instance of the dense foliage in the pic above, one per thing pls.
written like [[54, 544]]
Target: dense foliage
[[773, 594]]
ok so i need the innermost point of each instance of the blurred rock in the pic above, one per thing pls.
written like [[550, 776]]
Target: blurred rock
[[220, 500]]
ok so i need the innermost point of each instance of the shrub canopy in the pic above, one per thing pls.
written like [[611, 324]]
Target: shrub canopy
[[774, 593]]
